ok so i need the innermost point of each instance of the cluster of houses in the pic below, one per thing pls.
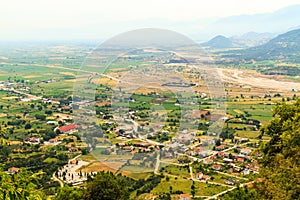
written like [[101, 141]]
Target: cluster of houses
[[6, 84], [236, 163], [45, 81], [57, 106], [126, 132], [184, 138], [67, 129], [240, 163], [50, 101], [200, 149]]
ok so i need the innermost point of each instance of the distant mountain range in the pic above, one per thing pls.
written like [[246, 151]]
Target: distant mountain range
[[279, 21], [219, 42], [285, 47], [200, 29], [249, 39]]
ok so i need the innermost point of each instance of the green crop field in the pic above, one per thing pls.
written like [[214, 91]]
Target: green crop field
[[184, 185]]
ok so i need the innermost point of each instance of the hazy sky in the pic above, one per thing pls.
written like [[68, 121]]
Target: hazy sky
[[62, 19]]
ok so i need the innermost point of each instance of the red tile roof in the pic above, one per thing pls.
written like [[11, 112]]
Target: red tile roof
[[14, 169], [249, 185], [185, 196], [221, 147], [260, 180], [217, 166], [67, 128], [206, 177], [73, 161]]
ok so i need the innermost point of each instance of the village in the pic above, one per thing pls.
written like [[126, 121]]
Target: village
[[149, 131], [126, 145]]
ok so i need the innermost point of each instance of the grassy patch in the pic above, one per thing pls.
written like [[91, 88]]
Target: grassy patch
[[177, 170], [136, 169], [184, 185], [248, 134]]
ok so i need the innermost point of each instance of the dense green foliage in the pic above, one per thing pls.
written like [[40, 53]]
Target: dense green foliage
[[242, 194], [69, 193], [106, 186], [281, 163], [23, 185], [279, 70]]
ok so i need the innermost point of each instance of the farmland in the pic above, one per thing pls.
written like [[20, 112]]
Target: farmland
[[139, 128]]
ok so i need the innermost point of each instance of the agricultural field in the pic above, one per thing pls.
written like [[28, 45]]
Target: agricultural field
[[184, 185], [146, 133]]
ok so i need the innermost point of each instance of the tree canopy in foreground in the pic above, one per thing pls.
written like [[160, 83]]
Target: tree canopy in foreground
[[281, 162]]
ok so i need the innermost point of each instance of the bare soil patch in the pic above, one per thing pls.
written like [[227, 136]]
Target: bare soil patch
[[255, 79]]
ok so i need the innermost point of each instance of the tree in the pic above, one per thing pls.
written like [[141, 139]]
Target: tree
[[10, 131], [193, 189], [27, 126], [70, 193], [48, 112], [280, 166], [20, 186], [218, 142], [106, 186], [40, 117], [241, 194], [164, 197], [170, 188], [84, 151]]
